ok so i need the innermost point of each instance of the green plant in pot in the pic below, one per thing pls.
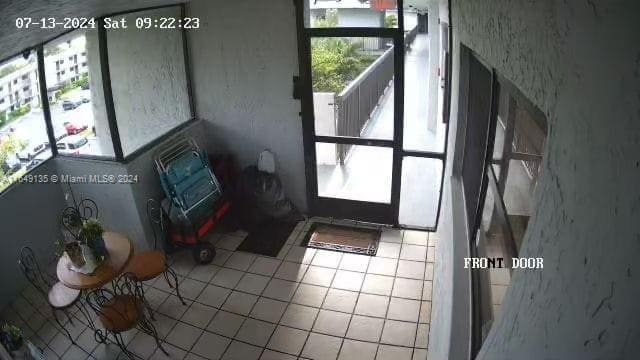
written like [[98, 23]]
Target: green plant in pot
[[91, 233], [11, 337]]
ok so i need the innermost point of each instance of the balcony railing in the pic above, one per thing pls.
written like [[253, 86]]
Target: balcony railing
[[357, 101]]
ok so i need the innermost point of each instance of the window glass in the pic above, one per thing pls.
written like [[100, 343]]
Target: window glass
[[353, 86], [352, 13], [23, 135], [148, 81], [74, 89]]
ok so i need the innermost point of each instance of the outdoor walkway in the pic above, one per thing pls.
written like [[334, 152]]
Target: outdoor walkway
[[366, 174]]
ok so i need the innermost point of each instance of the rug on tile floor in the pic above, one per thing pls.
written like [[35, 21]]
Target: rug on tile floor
[[342, 238], [268, 238]]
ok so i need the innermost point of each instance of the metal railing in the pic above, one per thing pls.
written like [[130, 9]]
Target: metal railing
[[357, 101]]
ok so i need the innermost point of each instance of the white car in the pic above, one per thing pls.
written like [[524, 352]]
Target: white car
[[72, 144]]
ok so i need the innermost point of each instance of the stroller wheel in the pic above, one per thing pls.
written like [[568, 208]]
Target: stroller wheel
[[204, 252]]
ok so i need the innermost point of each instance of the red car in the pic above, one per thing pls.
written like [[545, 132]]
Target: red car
[[73, 129]]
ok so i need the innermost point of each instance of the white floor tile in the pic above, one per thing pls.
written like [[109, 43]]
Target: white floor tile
[[213, 295], [365, 328], [288, 340], [407, 288], [382, 266], [332, 323], [357, 350], [240, 261], [319, 276], [226, 323], [404, 309], [310, 295], [321, 347], [299, 316], [348, 280], [340, 300], [354, 262], [199, 315], [372, 305], [252, 283], [327, 258], [415, 237], [378, 284], [398, 333], [255, 332], [389, 250], [239, 303], [241, 351], [411, 269], [291, 271], [228, 278], [280, 289], [210, 346], [184, 335], [264, 266], [388, 352], [413, 252], [268, 309]]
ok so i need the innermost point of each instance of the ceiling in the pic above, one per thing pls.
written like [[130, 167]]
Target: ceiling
[[14, 40]]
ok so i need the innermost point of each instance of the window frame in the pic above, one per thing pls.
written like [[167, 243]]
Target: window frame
[[107, 93]]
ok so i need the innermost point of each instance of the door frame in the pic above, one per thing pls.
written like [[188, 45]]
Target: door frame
[[381, 213]]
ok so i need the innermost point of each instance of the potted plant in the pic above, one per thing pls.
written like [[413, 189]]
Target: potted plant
[[11, 337], [74, 252], [91, 233]]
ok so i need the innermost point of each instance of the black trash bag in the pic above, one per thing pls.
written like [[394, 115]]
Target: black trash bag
[[260, 198]]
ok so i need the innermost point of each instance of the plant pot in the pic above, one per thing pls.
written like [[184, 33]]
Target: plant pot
[[99, 248], [89, 257], [74, 252]]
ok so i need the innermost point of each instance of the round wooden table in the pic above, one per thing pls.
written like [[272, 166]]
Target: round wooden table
[[120, 251]]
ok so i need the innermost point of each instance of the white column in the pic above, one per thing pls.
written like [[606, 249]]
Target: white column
[[434, 62]]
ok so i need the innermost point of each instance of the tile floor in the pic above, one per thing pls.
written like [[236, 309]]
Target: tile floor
[[304, 304]]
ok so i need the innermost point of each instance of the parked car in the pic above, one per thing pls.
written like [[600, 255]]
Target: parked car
[[72, 144], [11, 165], [31, 151], [85, 99], [70, 105], [73, 129], [39, 159]]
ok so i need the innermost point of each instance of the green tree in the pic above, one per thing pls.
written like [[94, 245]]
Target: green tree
[[336, 62], [9, 146], [391, 21], [330, 19]]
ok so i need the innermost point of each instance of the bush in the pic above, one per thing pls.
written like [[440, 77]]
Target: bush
[[336, 62], [20, 112]]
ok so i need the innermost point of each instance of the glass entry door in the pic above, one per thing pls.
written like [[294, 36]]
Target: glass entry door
[[352, 88], [353, 80]]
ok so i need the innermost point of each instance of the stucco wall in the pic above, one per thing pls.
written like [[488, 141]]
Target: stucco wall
[[147, 79], [243, 59], [578, 61], [30, 214]]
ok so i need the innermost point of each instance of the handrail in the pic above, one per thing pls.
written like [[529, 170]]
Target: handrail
[[363, 75]]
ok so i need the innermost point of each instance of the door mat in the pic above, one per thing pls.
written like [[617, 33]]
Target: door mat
[[268, 238], [342, 238]]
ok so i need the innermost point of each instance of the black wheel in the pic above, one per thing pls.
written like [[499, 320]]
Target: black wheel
[[204, 252]]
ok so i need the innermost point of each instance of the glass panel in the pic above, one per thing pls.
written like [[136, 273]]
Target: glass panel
[[148, 79], [420, 191], [522, 173], [351, 13], [74, 88], [23, 135], [423, 126], [492, 238], [364, 174], [353, 86]]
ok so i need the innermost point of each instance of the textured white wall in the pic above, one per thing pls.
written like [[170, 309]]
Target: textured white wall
[[243, 59], [579, 62], [147, 79]]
